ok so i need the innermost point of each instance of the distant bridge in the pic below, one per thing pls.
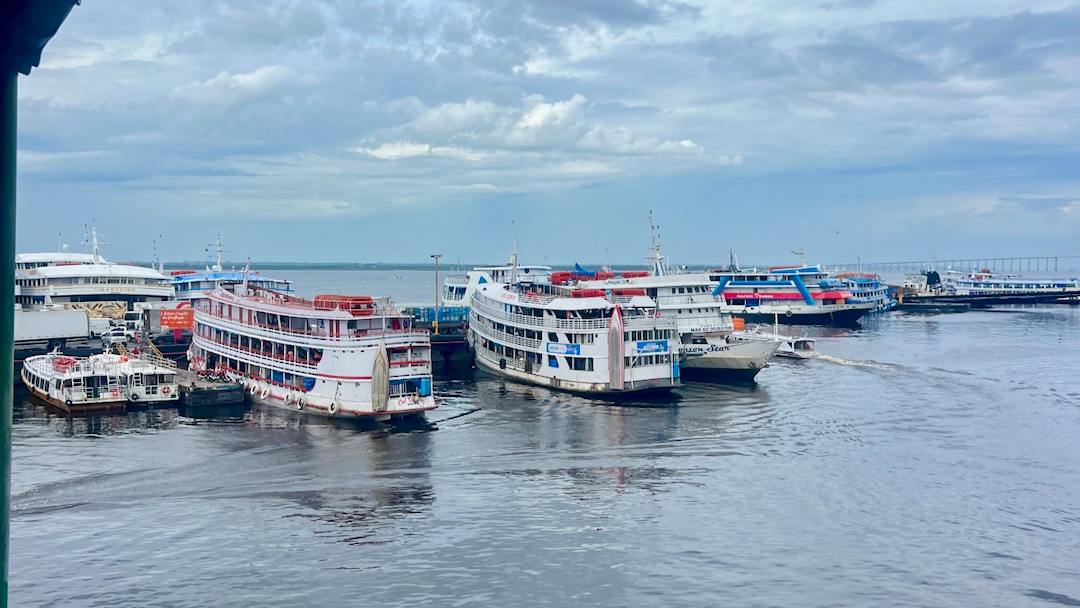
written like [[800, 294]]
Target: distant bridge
[[1013, 264]]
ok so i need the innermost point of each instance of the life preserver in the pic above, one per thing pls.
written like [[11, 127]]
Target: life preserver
[[333, 407], [788, 313], [265, 392], [165, 390]]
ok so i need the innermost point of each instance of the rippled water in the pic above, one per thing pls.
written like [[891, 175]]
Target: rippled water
[[928, 461]]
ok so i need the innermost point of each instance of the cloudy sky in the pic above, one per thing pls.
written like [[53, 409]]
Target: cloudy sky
[[385, 131]]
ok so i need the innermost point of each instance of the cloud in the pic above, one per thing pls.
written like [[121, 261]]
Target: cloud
[[226, 87], [298, 103]]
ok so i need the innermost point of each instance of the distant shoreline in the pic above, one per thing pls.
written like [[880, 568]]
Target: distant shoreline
[[377, 266]]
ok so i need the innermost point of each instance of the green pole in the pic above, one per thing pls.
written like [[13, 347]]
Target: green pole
[[8, 116]]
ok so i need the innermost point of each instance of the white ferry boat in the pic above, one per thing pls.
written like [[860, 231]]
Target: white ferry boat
[[342, 356], [986, 283], [582, 340], [709, 345], [103, 380], [75, 278]]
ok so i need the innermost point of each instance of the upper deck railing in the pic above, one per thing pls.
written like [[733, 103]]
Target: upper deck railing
[[631, 322]]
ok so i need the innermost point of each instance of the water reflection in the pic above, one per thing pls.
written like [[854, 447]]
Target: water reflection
[[30, 410]]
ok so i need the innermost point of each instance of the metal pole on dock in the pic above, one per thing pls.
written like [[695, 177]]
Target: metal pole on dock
[[438, 299], [26, 26]]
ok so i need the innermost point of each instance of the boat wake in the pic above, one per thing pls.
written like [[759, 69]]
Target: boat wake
[[852, 362]]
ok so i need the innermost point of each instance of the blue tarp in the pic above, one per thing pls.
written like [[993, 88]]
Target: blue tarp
[[578, 269]]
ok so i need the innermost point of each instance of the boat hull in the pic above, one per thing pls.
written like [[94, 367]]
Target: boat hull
[[643, 386], [316, 406], [739, 361], [846, 317]]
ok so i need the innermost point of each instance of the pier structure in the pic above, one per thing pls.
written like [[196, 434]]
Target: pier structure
[[1044, 263]]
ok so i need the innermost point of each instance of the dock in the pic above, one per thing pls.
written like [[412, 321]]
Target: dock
[[448, 335], [198, 393]]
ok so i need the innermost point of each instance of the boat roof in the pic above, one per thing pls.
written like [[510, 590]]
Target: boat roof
[[54, 257], [668, 280], [221, 276], [293, 306], [510, 295], [93, 270]]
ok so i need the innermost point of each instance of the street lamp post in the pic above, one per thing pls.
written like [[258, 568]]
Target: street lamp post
[[438, 294]]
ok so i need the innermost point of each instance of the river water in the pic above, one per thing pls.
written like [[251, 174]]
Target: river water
[[925, 461]]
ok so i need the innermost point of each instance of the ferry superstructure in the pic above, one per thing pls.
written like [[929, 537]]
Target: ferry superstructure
[[341, 356], [573, 339], [67, 278], [869, 288], [192, 285], [709, 345], [804, 295], [99, 380], [986, 283]]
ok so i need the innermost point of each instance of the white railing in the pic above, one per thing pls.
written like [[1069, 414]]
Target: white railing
[[629, 322], [307, 337], [494, 334], [251, 357]]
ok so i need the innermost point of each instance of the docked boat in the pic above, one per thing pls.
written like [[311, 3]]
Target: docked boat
[[99, 381], [799, 295], [340, 356], [192, 284], [87, 280], [869, 288], [710, 347], [985, 288], [570, 338]]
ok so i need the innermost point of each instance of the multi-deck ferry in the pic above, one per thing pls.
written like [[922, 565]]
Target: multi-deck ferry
[[709, 345], [342, 356], [85, 279], [101, 380], [575, 339], [804, 295], [869, 288], [986, 283]]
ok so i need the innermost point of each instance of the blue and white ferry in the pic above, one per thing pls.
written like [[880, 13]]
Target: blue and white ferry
[[869, 288], [193, 285]]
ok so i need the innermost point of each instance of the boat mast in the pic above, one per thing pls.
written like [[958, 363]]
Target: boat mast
[[513, 261], [659, 269], [217, 249], [95, 244]]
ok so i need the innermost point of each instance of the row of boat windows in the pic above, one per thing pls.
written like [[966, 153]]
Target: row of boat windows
[[581, 364], [694, 289], [89, 281], [279, 378], [648, 334], [292, 324], [984, 285], [647, 360], [269, 348], [533, 334], [92, 382]]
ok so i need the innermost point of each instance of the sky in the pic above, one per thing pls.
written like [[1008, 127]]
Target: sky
[[362, 131]]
